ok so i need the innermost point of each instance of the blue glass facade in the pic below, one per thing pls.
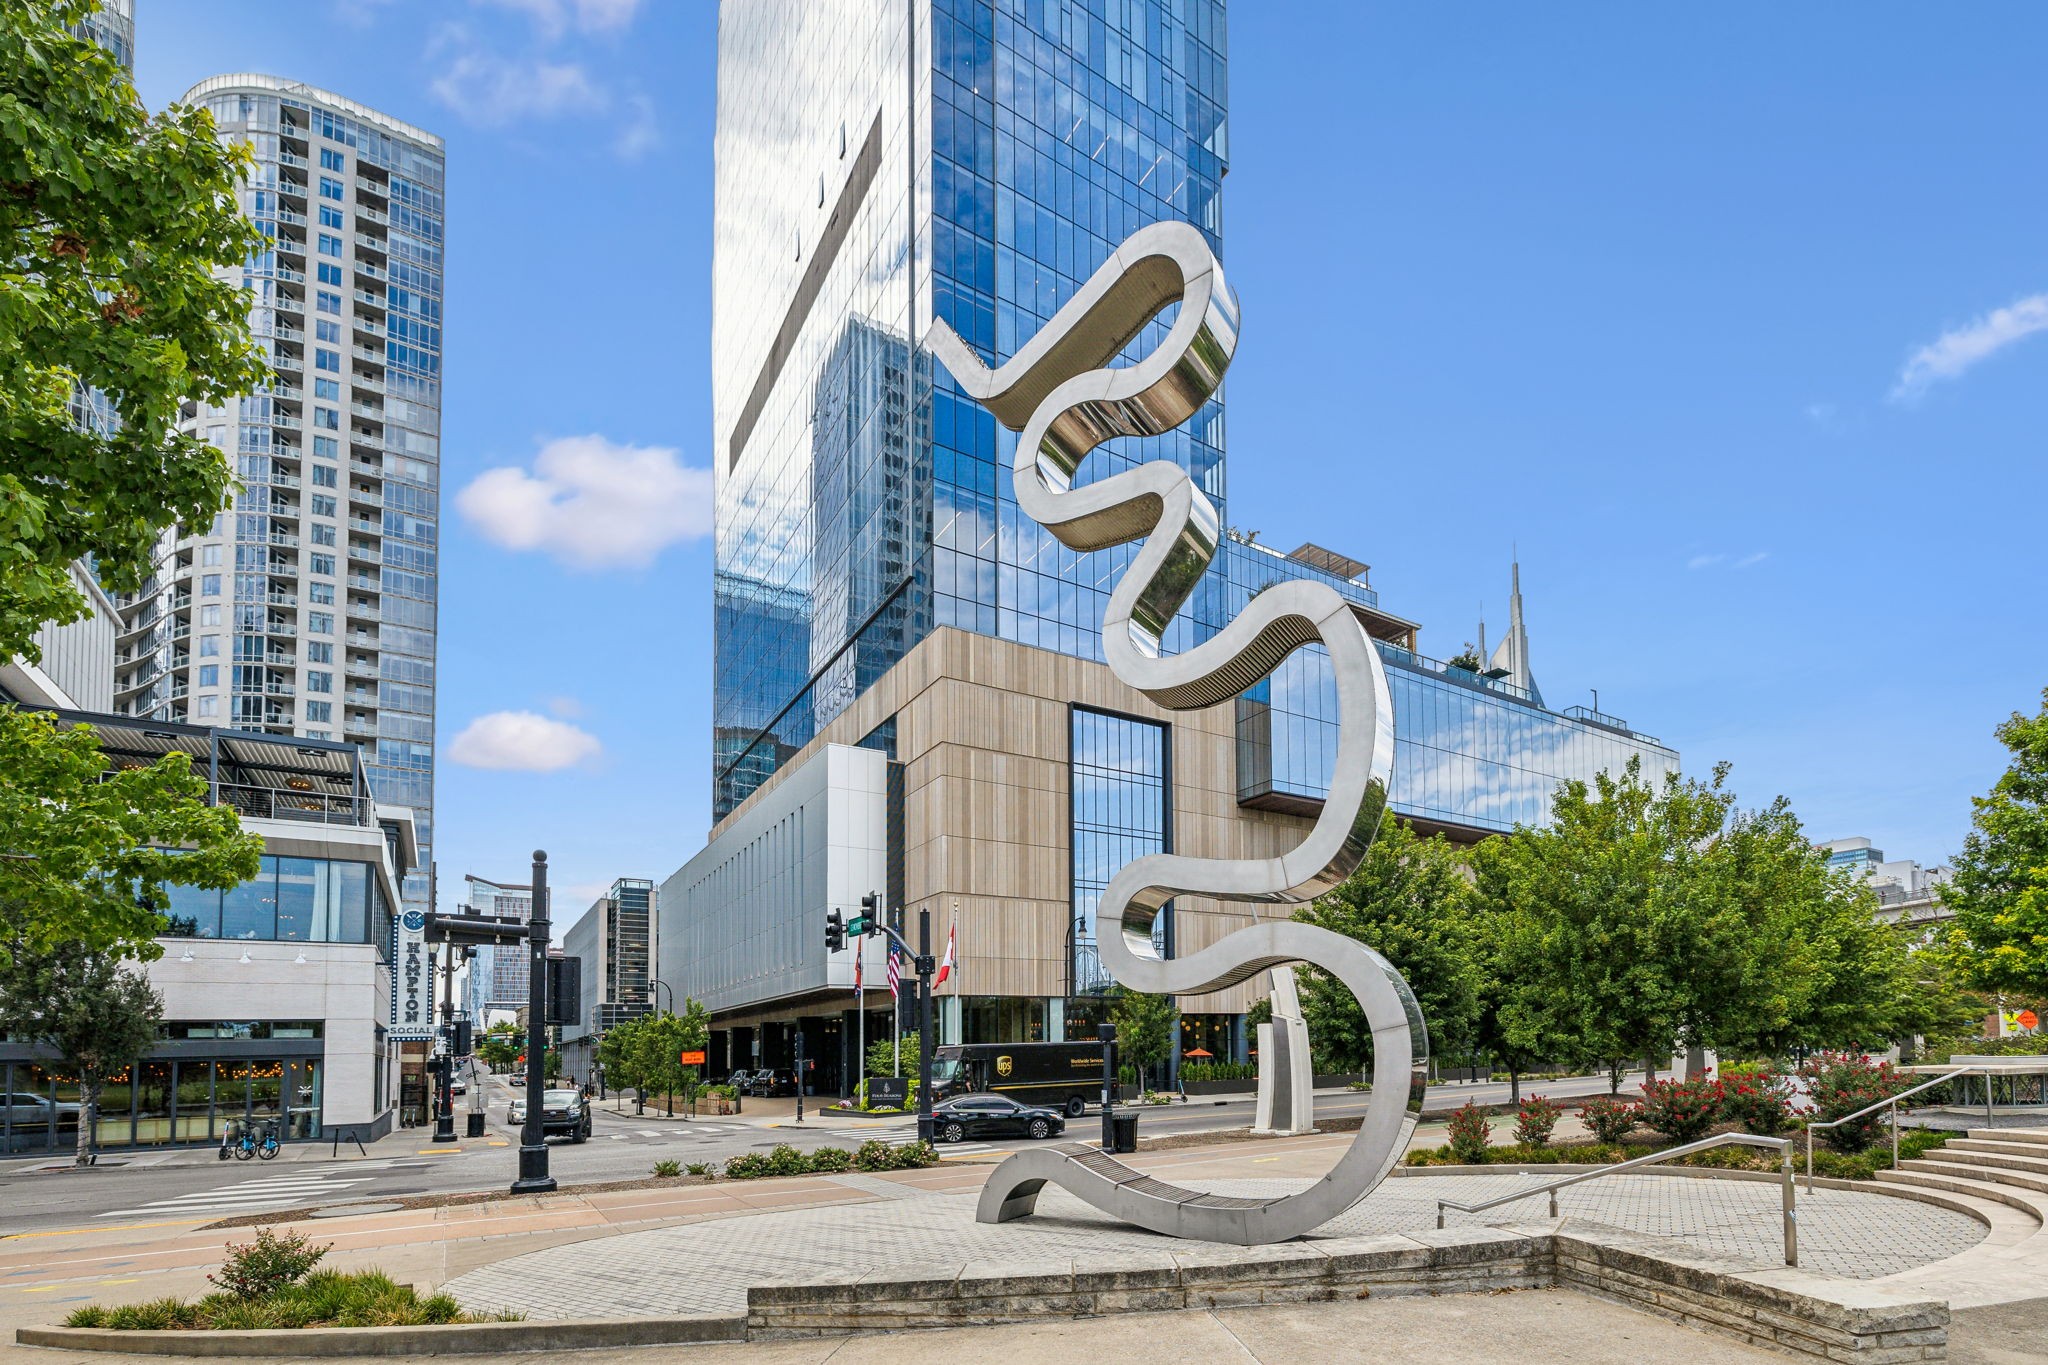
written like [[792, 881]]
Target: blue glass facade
[[1470, 751], [864, 499], [1123, 807]]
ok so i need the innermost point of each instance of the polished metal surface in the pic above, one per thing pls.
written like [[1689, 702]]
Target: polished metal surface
[[1060, 392]]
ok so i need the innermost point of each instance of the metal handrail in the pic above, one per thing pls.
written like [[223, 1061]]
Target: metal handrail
[[1893, 1104], [1783, 1146]]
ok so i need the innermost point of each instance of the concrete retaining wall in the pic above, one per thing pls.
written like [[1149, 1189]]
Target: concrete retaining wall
[[1786, 1309]]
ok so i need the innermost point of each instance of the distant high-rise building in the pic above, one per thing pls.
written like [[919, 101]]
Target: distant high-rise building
[[308, 608], [498, 975], [1907, 893], [613, 944], [112, 26]]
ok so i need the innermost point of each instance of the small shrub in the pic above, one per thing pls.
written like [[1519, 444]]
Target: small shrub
[[1840, 1083], [92, 1315], [665, 1169], [1757, 1098], [1609, 1119], [698, 1168], [1682, 1110], [1535, 1120], [267, 1264], [1470, 1134], [829, 1159], [746, 1166], [877, 1155], [784, 1159]]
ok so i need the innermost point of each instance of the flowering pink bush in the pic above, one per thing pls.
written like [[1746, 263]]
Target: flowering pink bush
[[1609, 1119], [1534, 1121], [1470, 1134], [1682, 1110]]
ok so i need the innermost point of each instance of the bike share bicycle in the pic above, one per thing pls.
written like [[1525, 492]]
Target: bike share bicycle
[[240, 1142]]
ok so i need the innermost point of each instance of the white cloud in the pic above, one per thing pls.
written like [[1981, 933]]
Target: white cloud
[[641, 134], [565, 708], [553, 17], [1714, 561], [1953, 352], [521, 741], [492, 91], [593, 504]]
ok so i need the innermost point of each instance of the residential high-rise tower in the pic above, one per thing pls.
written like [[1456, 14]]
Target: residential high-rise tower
[[309, 606]]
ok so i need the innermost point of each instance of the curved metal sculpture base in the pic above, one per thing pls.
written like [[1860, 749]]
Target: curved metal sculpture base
[[1060, 394]]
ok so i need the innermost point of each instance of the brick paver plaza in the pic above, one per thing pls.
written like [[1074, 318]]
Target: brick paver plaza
[[707, 1267]]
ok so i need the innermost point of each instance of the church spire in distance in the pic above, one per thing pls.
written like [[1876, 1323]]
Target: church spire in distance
[[1511, 656]]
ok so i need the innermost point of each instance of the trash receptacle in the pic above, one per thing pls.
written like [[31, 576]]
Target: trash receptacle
[[1124, 1129], [476, 1123]]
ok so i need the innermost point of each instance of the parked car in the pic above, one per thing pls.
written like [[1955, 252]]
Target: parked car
[[25, 1110], [773, 1081], [563, 1114], [994, 1116], [458, 1086]]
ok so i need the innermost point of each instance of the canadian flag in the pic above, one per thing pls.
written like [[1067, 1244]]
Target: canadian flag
[[946, 963]]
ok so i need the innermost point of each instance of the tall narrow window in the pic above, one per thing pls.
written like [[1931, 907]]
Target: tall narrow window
[[1121, 810]]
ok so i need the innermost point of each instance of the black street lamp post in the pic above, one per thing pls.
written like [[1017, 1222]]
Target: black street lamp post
[[533, 1141]]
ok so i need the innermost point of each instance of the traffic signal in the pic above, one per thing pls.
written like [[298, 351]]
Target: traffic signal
[[465, 1040], [870, 915], [835, 931]]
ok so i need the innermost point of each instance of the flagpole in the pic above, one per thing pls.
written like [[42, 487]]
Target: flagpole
[[860, 1009]]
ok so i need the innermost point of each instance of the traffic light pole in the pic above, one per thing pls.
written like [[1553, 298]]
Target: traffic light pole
[[533, 1141]]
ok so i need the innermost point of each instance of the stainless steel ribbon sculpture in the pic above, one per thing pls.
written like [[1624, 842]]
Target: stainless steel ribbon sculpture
[[1060, 394]]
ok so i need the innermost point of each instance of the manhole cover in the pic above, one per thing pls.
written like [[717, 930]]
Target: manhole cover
[[351, 1210]]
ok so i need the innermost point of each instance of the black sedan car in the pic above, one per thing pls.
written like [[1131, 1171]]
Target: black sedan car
[[994, 1116], [773, 1082]]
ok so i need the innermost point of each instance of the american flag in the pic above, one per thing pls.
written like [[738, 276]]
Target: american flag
[[894, 976]]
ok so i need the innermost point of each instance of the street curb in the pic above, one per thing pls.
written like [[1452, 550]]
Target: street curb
[[452, 1339]]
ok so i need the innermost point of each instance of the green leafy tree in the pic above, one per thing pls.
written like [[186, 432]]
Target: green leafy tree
[[499, 1047], [1411, 900], [84, 851], [2000, 889], [97, 1014], [1144, 1026], [1493, 926], [112, 222], [881, 1058], [1649, 917], [1600, 896], [657, 1044]]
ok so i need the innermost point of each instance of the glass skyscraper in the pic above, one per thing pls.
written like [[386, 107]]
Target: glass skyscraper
[[880, 166], [309, 606], [863, 499]]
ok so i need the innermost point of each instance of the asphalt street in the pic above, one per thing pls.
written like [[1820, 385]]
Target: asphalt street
[[167, 1188]]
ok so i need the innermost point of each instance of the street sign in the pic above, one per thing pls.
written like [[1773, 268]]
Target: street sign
[[693, 1057]]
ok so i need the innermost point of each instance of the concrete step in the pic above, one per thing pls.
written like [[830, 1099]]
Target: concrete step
[[1962, 1170], [2026, 1201], [2036, 1137], [2030, 1150], [1975, 1154]]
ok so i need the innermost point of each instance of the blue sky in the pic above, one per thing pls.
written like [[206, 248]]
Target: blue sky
[[1731, 319]]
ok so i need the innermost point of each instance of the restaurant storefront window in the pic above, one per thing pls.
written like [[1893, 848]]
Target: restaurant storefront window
[[167, 1101]]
